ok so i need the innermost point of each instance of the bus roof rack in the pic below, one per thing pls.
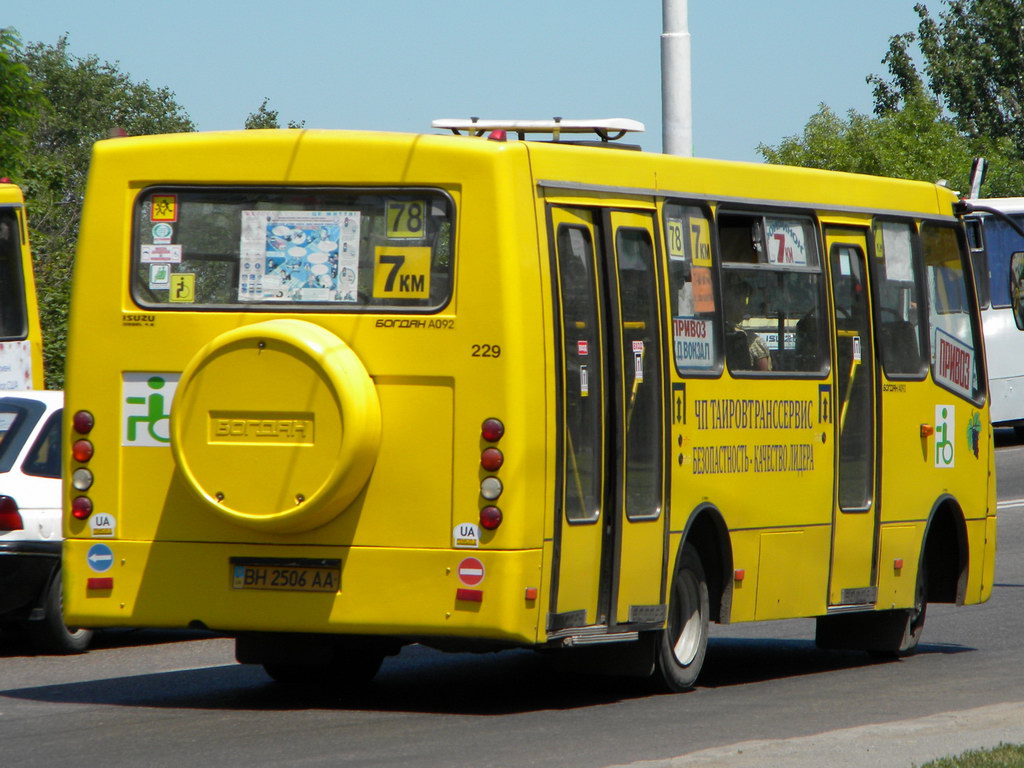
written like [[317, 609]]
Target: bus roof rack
[[608, 129]]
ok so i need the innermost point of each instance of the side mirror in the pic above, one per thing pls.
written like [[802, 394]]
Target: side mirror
[[1017, 287]]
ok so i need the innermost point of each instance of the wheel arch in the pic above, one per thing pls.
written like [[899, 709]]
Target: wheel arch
[[945, 553], [707, 532]]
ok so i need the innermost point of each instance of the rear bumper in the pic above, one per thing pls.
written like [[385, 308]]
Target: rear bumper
[[404, 593]]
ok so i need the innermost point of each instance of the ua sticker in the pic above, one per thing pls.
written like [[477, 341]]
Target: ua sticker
[[466, 536], [102, 526]]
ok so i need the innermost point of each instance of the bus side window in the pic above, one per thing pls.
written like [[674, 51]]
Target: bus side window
[[953, 333], [898, 297], [772, 294], [691, 274]]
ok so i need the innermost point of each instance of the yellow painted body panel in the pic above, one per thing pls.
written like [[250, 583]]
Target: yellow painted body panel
[[758, 453], [898, 564], [790, 560]]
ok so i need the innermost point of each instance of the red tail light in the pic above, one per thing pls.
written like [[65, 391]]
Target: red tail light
[[83, 422], [82, 450], [492, 430], [10, 517], [490, 518], [491, 459], [81, 507]]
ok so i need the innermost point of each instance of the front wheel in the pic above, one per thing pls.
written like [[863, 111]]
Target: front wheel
[[50, 634], [684, 641]]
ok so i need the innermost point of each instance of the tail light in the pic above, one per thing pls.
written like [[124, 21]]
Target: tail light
[[83, 422], [491, 460], [82, 451], [10, 517]]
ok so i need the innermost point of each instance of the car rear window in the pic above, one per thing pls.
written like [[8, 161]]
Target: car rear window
[[44, 458]]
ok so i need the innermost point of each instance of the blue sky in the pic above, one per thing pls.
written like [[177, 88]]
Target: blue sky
[[760, 67]]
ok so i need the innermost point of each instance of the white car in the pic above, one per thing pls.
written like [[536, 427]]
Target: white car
[[30, 520]]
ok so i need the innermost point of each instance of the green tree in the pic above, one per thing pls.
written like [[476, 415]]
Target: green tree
[[912, 142], [85, 99], [973, 56], [19, 100], [969, 106], [265, 117]]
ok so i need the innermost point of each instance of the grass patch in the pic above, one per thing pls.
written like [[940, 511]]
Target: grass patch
[[1002, 756]]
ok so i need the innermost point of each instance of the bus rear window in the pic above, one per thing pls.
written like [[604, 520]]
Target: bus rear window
[[321, 249]]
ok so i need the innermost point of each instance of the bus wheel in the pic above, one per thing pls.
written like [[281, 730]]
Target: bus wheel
[[685, 640], [911, 622], [357, 668]]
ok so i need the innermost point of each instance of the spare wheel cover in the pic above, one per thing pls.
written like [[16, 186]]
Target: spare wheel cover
[[276, 425]]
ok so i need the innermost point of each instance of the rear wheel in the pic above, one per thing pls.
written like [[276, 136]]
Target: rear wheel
[[911, 621], [684, 641], [50, 634]]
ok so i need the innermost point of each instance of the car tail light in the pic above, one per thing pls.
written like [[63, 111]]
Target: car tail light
[[10, 517]]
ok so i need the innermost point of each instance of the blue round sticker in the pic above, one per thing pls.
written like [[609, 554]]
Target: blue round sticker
[[100, 558]]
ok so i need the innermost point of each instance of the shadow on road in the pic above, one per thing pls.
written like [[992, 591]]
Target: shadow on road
[[14, 642], [744, 661], [425, 681]]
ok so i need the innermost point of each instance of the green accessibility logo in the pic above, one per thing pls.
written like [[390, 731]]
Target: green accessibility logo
[[146, 407]]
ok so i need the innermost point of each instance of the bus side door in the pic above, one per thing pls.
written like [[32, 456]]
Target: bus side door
[[582, 421], [639, 387], [610, 529], [855, 512]]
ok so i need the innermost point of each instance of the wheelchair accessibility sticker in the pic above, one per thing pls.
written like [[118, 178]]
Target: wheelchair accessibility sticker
[[146, 407]]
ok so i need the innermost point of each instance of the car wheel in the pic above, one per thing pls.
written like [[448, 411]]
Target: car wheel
[[50, 634]]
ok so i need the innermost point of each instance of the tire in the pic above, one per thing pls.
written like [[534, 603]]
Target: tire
[[50, 634], [911, 621], [684, 641], [356, 669]]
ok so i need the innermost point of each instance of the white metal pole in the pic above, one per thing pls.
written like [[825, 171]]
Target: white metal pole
[[676, 102]]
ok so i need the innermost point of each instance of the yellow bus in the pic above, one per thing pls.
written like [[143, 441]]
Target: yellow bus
[[333, 393], [21, 347]]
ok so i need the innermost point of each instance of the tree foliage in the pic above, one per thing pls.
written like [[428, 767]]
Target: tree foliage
[[265, 117], [914, 142], [968, 103], [974, 63], [82, 100], [19, 100]]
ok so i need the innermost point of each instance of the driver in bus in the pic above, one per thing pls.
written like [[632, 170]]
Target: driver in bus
[[745, 350]]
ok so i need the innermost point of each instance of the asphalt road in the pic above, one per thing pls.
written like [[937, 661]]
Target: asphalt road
[[767, 697]]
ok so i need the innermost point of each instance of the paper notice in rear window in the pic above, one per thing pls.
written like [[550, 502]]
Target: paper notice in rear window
[[299, 256]]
